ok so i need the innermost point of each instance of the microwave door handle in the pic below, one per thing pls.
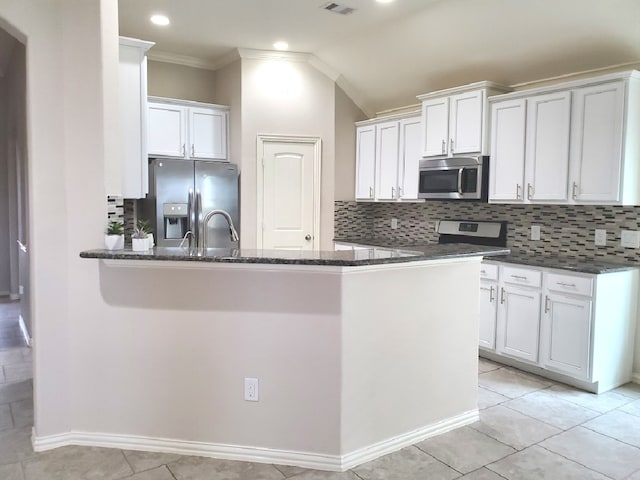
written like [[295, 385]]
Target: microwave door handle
[[460, 170]]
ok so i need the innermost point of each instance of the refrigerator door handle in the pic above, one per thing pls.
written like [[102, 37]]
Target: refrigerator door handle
[[199, 227], [191, 216]]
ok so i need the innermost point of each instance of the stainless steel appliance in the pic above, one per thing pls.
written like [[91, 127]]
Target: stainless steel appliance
[[185, 193], [456, 178], [477, 233]]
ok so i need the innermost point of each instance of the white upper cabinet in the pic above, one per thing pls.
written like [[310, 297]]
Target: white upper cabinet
[[547, 147], [506, 169], [387, 157], [596, 147], [186, 129], [435, 114], [365, 162], [580, 138], [126, 174], [167, 129], [454, 120]]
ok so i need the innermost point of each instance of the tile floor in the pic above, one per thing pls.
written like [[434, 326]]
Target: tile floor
[[529, 428]]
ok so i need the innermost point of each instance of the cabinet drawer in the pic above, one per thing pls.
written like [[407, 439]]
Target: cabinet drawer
[[489, 271], [522, 276], [569, 284]]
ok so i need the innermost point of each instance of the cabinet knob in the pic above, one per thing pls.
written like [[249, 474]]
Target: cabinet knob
[[307, 237], [501, 295], [518, 196], [574, 191], [546, 303], [491, 297], [529, 191]]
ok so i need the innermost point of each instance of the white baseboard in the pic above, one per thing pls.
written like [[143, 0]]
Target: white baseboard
[[25, 331], [335, 463], [635, 377]]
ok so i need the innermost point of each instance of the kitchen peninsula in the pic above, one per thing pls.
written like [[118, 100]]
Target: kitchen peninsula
[[357, 353]]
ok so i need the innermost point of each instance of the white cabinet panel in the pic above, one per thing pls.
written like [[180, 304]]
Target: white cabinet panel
[[387, 142], [488, 313], [408, 173], [566, 335], [596, 148], [547, 151], [167, 130], [208, 131], [435, 117], [519, 323], [365, 162], [507, 150], [465, 122]]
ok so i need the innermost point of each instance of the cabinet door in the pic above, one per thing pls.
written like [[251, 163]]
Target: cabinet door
[[566, 335], [435, 115], [208, 133], [167, 128], [465, 123], [518, 323], [547, 151], [596, 148], [409, 161], [506, 172], [365, 162], [387, 141], [488, 313]]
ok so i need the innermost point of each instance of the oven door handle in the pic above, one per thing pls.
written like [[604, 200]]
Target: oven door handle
[[460, 170]]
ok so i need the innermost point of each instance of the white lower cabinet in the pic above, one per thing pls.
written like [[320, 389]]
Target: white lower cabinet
[[518, 322], [573, 327]]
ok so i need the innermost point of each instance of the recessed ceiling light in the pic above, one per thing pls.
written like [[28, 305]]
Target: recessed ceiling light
[[281, 45], [160, 20]]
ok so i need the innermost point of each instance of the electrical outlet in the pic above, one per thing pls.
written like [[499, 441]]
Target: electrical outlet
[[600, 238], [629, 239], [251, 390], [535, 232], [394, 223]]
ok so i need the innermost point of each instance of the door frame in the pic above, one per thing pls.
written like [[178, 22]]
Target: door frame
[[263, 139]]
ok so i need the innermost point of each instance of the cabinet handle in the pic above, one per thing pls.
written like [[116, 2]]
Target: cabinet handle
[[491, 297], [370, 192], [573, 285], [443, 146], [451, 142], [399, 192], [184, 150], [193, 150], [574, 191], [546, 303], [393, 192], [518, 196], [501, 295], [529, 191], [519, 277]]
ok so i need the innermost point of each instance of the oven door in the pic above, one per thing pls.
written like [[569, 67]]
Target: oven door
[[450, 182]]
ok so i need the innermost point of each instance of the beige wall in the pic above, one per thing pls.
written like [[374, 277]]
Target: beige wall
[[305, 107], [347, 113], [179, 81], [228, 92]]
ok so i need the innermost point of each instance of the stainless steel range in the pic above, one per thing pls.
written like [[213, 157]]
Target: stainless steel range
[[492, 234]]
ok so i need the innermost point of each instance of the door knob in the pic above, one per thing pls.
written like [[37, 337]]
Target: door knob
[[307, 237]]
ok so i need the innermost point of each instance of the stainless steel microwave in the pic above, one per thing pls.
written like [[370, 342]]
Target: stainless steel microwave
[[456, 178]]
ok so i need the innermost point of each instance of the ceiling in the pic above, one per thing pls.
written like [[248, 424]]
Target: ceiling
[[389, 53]]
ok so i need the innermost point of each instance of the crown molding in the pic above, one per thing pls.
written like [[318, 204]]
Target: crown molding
[[177, 59]]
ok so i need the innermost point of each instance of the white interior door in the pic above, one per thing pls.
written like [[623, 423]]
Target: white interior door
[[289, 197]]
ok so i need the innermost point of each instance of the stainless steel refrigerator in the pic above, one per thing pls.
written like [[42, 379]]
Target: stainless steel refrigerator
[[182, 192]]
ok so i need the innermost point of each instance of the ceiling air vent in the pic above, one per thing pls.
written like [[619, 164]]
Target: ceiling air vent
[[337, 8]]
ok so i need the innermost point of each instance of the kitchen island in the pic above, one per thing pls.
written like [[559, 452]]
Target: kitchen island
[[357, 353]]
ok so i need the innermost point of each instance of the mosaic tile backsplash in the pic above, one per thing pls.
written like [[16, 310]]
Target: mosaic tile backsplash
[[566, 230]]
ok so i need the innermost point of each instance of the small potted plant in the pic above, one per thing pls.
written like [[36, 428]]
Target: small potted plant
[[114, 236], [145, 226], [139, 240]]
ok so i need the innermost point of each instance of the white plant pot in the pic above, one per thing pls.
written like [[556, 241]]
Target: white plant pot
[[139, 244], [150, 240], [114, 242]]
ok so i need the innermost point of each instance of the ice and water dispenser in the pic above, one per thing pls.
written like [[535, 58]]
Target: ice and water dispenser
[[175, 220]]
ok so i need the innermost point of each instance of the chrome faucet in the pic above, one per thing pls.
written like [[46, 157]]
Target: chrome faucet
[[208, 216]]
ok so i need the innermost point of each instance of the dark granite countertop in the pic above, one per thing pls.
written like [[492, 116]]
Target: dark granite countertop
[[581, 265], [344, 258]]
